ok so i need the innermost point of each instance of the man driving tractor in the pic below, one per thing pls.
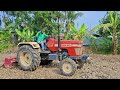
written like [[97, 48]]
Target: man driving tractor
[[41, 39]]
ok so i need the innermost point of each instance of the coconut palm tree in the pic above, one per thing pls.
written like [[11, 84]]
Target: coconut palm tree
[[70, 16]]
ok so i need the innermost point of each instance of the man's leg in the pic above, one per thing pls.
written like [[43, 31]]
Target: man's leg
[[45, 46], [42, 45]]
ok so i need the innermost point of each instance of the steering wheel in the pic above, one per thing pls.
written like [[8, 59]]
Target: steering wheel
[[47, 38]]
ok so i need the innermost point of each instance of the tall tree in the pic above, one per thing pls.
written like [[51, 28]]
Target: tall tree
[[70, 16]]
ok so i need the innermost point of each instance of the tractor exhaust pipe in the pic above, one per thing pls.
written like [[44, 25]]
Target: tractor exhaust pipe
[[59, 51]]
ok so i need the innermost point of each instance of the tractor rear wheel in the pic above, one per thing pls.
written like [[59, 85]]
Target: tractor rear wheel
[[28, 58], [68, 67]]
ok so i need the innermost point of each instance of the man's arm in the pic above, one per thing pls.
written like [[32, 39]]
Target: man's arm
[[45, 35], [38, 33]]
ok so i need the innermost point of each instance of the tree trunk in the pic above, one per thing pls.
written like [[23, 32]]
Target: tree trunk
[[114, 43]]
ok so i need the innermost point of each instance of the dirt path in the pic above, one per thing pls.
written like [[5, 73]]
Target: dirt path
[[100, 67]]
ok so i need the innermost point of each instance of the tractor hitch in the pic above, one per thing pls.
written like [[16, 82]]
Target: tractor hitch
[[84, 58]]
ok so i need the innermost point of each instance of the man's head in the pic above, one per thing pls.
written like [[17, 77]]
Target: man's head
[[40, 31]]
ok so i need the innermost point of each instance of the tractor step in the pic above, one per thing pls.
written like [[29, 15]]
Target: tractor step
[[45, 52]]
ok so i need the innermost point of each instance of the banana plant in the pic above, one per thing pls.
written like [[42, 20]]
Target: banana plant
[[80, 33], [114, 21], [25, 35], [5, 35]]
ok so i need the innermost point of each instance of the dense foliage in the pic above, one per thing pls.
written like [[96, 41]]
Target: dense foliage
[[18, 26]]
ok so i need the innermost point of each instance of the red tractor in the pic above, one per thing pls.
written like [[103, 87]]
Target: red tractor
[[30, 55], [68, 52]]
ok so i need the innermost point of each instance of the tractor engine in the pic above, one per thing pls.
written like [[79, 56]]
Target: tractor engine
[[73, 47], [69, 48]]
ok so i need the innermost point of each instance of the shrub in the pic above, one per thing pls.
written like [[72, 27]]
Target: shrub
[[5, 45], [102, 46]]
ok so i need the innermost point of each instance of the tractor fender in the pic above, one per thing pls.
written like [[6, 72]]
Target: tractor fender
[[34, 45]]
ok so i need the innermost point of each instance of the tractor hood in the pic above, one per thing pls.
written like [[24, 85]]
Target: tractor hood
[[64, 44], [69, 42]]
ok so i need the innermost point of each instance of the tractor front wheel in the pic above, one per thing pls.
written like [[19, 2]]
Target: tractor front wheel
[[68, 67]]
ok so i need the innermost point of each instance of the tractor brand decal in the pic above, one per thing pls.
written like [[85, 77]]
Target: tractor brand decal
[[63, 45], [66, 45], [56, 45], [69, 45], [76, 45]]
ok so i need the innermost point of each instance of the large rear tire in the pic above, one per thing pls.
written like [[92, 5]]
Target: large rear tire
[[68, 67], [28, 58]]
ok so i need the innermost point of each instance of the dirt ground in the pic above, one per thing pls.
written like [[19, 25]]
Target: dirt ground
[[99, 67]]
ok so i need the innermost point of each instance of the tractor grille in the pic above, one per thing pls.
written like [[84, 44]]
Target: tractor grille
[[78, 51]]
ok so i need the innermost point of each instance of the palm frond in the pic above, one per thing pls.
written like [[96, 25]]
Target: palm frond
[[111, 19], [104, 26]]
